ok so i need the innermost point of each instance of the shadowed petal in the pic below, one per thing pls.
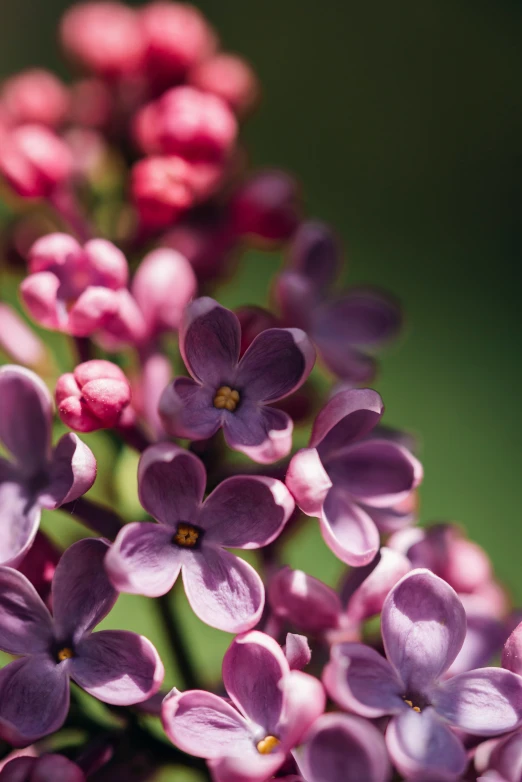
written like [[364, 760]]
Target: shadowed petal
[[171, 483], [359, 679], [223, 590], [341, 747], [249, 767], [315, 252], [348, 416], [484, 702], [348, 363], [117, 667], [209, 340], [73, 472], [308, 481], [82, 593], [246, 511], [296, 298], [262, 433], [205, 725], [277, 363], [34, 699], [297, 651], [423, 627], [423, 748], [25, 623], [365, 589], [304, 601], [39, 294], [142, 560], [19, 521], [253, 669], [25, 417], [187, 410], [348, 530], [361, 317], [304, 700]]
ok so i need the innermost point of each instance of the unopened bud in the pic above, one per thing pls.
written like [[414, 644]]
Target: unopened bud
[[93, 396]]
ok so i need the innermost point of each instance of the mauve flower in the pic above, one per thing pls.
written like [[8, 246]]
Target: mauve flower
[[231, 392], [80, 290], [48, 768], [271, 709], [341, 747], [115, 666], [191, 536], [93, 396], [37, 476], [346, 328], [351, 481], [423, 625]]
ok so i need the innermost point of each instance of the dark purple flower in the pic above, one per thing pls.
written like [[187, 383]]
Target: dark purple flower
[[37, 476], [244, 511], [345, 329], [423, 626], [272, 708], [48, 768], [232, 393], [341, 747], [115, 666], [352, 482]]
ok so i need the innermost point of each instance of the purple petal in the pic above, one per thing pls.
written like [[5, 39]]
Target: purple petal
[[483, 702], [423, 627], [348, 530], [304, 700], [304, 601], [365, 592], [205, 725], [25, 623], [297, 651], [512, 654], [209, 340], [117, 667], [73, 472], [25, 417], [308, 481], [506, 758], [296, 297], [222, 589], [315, 252], [341, 747], [361, 317], [348, 416], [348, 363], [485, 637], [187, 410], [249, 767], [51, 768], [246, 511], [359, 679], [376, 472], [425, 749], [171, 483], [82, 593], [262, 433], [18, 769], [143, 560], [253, 668], [34, 699], [19, 521], [277, 363]]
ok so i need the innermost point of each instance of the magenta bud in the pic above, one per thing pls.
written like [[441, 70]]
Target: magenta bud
[[34, 161], [35, 96], [163, 285], [304, 601], [93, 396], [18, 340], [297, 651], [267, 207], [177, 37], [187, 122], [161, 189], [103, 37], [230, 78], [253, 321], [39, 564]]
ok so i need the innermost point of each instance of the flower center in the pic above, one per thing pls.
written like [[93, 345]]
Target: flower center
[[186, 535], [65, 654], [226, 398], [410, 704], [267, 745]]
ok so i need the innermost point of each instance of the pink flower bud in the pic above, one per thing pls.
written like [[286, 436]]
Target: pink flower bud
[[267, 207], [35, 96], [104, 37], [34, 161], [308, 604], [19, 341], [93, 396], [177, 37], [230, 78], [161, 190], [163, 286], [189, 123]]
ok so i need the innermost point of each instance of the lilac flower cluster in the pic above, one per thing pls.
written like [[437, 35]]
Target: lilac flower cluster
[[311, 691]]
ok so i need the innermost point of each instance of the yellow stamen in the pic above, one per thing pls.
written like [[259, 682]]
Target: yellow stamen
[[267, 745], [65, 654], [226, 398], [410, 704], [186, 536]]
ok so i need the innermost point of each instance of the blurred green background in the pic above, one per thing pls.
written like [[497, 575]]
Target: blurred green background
[[403, 122]]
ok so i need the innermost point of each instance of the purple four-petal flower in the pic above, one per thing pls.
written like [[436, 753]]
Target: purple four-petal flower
[[242, 512], [116, 666], [231, 393]]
